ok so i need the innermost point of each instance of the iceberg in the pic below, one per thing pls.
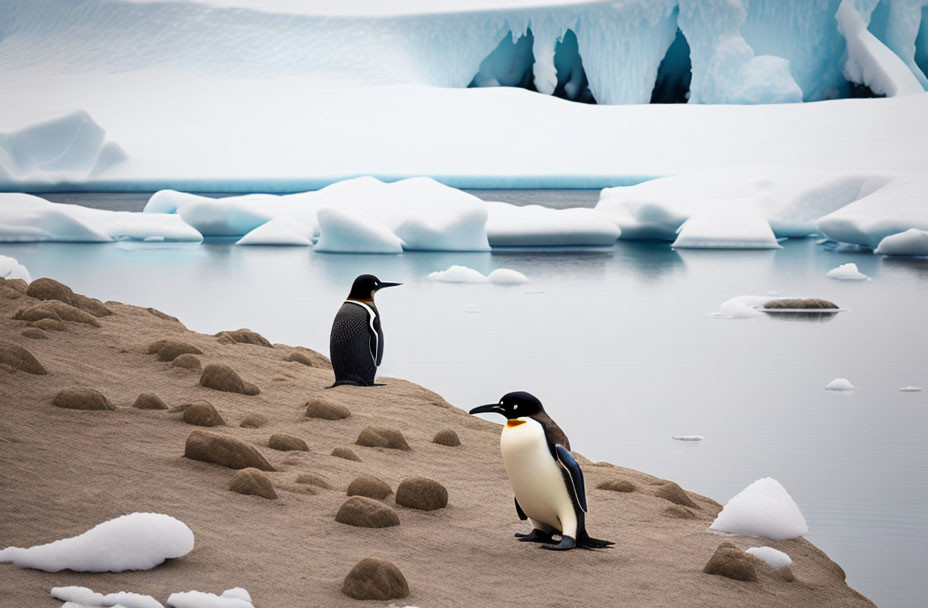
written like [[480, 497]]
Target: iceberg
[[846, 272], [463, 274], [764, 509], [138, 541], [279, 231], [731, 230], [536, 226], [910, 242]]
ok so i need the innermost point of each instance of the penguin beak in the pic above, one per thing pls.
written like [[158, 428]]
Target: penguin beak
[[384, 284], [490, 408]]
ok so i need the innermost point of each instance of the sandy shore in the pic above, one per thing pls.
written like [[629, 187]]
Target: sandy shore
[[64, 471]]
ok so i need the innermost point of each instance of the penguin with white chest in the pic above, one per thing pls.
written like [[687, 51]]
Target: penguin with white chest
[[545, 478], [356, 340]]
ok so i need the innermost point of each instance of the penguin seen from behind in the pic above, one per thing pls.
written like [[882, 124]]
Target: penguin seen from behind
[[356, 340], [545, 478]]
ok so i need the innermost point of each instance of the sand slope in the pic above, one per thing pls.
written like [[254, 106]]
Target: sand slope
[[63, 471]]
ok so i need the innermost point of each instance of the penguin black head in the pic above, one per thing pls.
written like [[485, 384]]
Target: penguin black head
[[513, 405], [366, 285]]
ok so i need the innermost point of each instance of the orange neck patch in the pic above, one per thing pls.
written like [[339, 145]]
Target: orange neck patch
[[514, 423]]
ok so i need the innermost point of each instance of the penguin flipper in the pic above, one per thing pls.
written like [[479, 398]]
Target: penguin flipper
[[519, 510], [576, 475]]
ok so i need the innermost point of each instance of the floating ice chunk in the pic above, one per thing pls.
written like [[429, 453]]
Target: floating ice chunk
[[10, 268], [772, 557], [869, 61], [278, 231], [888, 209], [910, 389], [846, 272], [507, 276], [24, 217], [790, 199], [138, 541], [839, 384], [200, 599], [457, 274], [726, 231], [763, 509], [688, 437], [741, 307], [536, 226], [345, 233], [910, 242]]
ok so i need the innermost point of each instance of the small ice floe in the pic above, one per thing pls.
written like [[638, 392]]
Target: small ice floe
[[729, 230], [687, 437], [84, 597], [846, 272], [153, 239], [741, 307], [763, 509], [910, 389], [772, 557], [279, 231], [911, 242], [138, 541], [839, 384], [10, 268], [230, 598], [464, 274]]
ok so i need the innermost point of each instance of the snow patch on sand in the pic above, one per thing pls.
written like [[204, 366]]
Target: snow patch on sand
[[762, 509], [772, 557], [138, 541], [231, 598]]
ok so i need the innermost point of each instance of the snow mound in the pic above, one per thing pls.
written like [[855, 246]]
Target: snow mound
[[231, 598], [78, 595], [536, 226], [72, 147], [10, 268], [138, 541], [737, 230], [24, 218], [687, 437], [789, 199], [839, 384], [869, 61], [342, 232], [910, 242], [883, 211], [772, 557], [278, 231], [846, 272], [762, 509], [464, 274]]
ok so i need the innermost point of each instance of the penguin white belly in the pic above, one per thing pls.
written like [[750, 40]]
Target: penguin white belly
[[536, 477]]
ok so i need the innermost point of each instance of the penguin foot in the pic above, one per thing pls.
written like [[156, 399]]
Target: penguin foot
[[566, 543], [535, 536], [594, 543]]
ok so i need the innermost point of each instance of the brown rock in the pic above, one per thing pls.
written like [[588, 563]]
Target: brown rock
[[34, 333], [253, 421], [313, 480], [345, 453], [286, 443], [380, 437], [18, 285], [226, 339], [617, 485], [162, 316], [91, 305], [187, 361], [678, 512], [730, 561], [299, 357], [366, 513], [675, 494], [59, 311], [49, 325], [245, 336], [446, 437], [253, 482], [224, 450], [801, 303], [369, 486], [375, 579], [168, 350], [202, 413], [421, 493], [221, 377], [149, 401], [19, 358], [320, 407], [74, 398], [50, 289]]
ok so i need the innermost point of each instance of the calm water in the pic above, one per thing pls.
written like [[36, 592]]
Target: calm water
[[619, 346]]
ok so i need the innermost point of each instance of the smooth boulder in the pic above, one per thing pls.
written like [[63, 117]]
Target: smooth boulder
[[617, 485], [381, 437], [75, 398], [253, 421], [366, 512], [285, 443], [19, 358], [34, 333], [375, 579], [221, 377], [447, 437], [202, 413], [370, 486], [253, 482], [187, 361], [59, 311], [149, 401], [320, 407], [675, 494], [245, 336], [45, 288], [346, 453], [168, 350], [224, 450], [421, 493], [731, 562]]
